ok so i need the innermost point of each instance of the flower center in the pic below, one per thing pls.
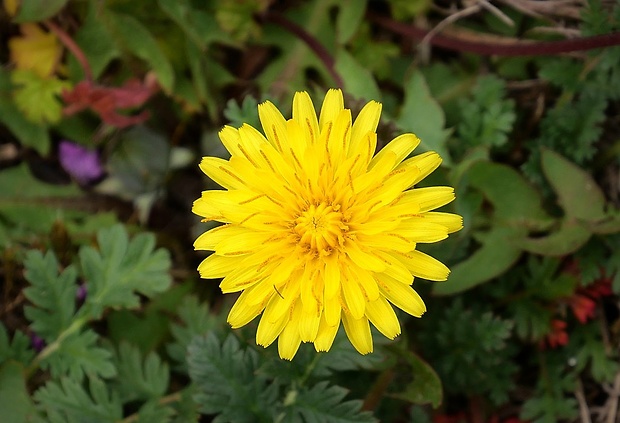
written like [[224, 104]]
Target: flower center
[[321, 228]]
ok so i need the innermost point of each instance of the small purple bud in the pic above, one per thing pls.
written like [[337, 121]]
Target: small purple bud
[[80, 162], [37, 343], [81, 293]]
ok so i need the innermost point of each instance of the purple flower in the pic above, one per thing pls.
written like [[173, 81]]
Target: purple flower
[[81, 293], [80, 162], [37, 342]]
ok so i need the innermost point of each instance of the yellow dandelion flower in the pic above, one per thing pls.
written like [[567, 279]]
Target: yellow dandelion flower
[[316, 229]]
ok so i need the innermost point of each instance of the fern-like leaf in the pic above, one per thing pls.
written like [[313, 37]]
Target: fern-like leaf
[[140, 378], [228, 383], [51, 293], [17, 349], [324, 404], [68, 401], [121, 268]]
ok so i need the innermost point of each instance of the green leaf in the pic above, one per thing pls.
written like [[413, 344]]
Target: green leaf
[[578, 193], [29, 133], [70, 400], [38, 10], [512, 197], [77, 354], [51, 293], [96, 42], [138, 378], [123, 268], [228, 382], [324, 403], [358, 81], [17, 349], [200, 26], [350, 16], [38, 98], [154, 412], [195, 320], [497, 254], [139, 41], [422, 115], [488, 117], [425, 388], [548, 408], [15, 400], [570, 237]]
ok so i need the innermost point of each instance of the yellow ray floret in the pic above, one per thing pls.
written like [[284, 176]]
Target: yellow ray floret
[[317, 229]]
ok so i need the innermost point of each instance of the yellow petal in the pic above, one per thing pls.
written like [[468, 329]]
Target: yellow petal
[[358, 331], [426, 162], [274, 125], [216, 266], [331, 276], [333, 104], [305, 115], [402, 296], [453, 222], [362, 258], [250, 141], [221, 172], [289, 339], [309, 326], [267, 331], [381, 314], [230, 138], [395, 268], [420, 230], [353, 297], [332, 311], [401, 146], [366, 122], [325, 336], [427, 198], [209, 239], [243, 313], [424, 266]]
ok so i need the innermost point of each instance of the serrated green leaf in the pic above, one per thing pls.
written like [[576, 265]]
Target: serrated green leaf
[[70, 401], [324, 403], [122, 268], [227, 381], [423, 116], [497, 255], [138, 378], [17, 349], [38, 10], [358, 81], [139, 41], [154, 412], [38, 98], [30, 134], [578, 193], [77, 354], [196, 320], [200, 26], [15, 401], [350, 16], [426, 386], [51, 293]]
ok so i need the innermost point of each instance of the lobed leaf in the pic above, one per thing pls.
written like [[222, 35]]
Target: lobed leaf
[[123, 268], [137, 377], [51, 293]]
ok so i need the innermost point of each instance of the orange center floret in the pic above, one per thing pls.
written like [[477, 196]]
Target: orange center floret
[[320, 228]]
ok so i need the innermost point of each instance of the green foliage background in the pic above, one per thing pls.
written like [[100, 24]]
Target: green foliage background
[[103, 316]]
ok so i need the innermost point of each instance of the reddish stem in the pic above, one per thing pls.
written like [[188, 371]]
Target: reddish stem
[[515, 48], [72, 47], [310, 41]]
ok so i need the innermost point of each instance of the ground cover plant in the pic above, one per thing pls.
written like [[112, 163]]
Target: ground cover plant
[[107, 109]]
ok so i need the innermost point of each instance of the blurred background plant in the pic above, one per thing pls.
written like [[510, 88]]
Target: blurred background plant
[[106, 108]]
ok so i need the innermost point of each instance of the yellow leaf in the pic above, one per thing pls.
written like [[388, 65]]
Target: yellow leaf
[[35, 50]]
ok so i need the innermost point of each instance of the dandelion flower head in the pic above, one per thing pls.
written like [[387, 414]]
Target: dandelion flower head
[[317, 229]]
